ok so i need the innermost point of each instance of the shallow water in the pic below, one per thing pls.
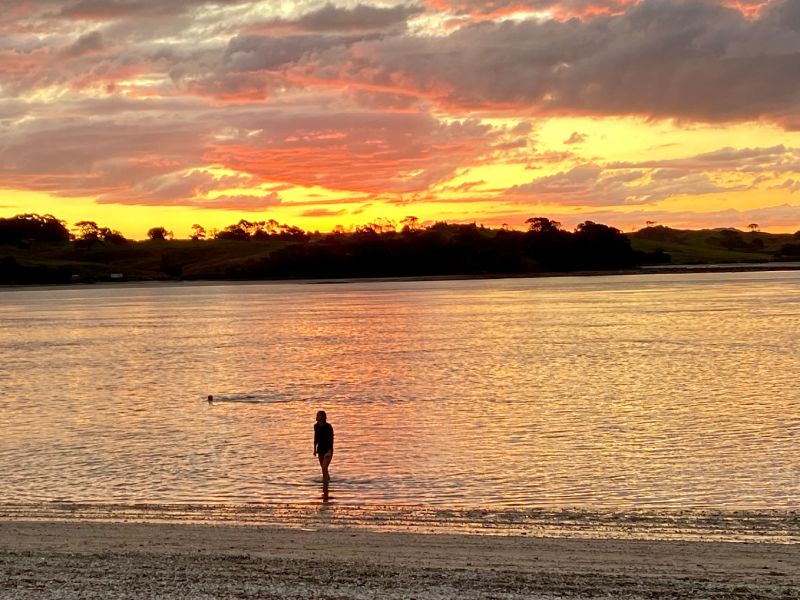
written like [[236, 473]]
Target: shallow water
[[601, 393], [772, 526]]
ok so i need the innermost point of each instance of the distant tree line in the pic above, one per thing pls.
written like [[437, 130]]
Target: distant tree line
[[26, 229], [271, 250], [379, 250]]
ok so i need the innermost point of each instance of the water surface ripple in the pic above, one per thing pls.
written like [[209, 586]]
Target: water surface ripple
[[625, 392]]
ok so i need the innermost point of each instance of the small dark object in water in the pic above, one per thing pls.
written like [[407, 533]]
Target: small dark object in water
[[210, 398]]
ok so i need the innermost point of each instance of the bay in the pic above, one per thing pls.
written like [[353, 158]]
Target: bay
[[616, 392]]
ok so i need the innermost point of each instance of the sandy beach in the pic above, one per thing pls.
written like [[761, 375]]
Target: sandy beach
[[78, 558]]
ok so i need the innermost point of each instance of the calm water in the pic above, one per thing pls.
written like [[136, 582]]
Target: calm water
[[650, 391]]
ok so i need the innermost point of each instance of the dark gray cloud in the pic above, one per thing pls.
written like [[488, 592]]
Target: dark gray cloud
[[85, 44], [691, 60], [262, 52], [87, 154], [360, 18], [101, 10]]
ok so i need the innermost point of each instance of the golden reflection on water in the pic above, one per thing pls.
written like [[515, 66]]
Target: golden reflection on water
[[638, 391]]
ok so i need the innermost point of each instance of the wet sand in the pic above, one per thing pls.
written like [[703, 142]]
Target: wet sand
[[76, 558]]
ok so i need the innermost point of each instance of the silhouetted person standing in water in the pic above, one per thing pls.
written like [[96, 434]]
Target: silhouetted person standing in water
[[323, 443]]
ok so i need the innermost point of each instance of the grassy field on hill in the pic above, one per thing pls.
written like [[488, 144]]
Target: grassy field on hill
[[717, 246]]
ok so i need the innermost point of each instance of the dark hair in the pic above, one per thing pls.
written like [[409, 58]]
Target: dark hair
[[321, 413]]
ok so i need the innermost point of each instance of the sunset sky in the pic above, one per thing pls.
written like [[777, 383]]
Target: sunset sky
[[142, 113]]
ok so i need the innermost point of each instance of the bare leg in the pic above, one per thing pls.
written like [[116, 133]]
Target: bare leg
[[324, 461]]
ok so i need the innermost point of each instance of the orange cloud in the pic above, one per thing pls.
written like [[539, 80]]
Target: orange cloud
[[387, 152], [480, 10]]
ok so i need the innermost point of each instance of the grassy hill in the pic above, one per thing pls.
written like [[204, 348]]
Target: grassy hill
[[715, 246]]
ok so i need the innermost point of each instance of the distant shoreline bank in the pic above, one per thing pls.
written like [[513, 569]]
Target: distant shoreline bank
[[645, 270]]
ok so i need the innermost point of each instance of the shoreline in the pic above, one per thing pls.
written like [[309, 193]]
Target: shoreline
[[90, 559], [773, 526]]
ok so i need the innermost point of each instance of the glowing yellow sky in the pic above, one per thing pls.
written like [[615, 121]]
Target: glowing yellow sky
[[606, 141]]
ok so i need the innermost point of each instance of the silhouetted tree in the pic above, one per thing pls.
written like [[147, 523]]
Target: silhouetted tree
[[753, 227], [258, 230], [198, 232], [112, 236], [291, 232], [549, 246], [159, 234], [30, 227], [603, 247], [271, 227], [382, 225], [542, 225], [233, 232], [89, 233], [410, 224]]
